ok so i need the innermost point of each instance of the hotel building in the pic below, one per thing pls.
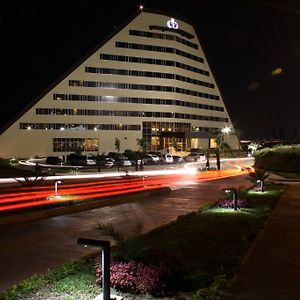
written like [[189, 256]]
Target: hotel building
[[149, 80]]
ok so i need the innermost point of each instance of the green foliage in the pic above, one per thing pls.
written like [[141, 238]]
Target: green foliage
[[142, 144], [126, 248], [280, 158], [30, 285], [214, 291], [117, 144], [75, 280]]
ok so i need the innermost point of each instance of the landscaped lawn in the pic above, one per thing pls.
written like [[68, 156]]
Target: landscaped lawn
[[210, 242]]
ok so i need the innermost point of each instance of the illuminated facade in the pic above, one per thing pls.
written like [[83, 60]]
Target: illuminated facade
[[150, 80]]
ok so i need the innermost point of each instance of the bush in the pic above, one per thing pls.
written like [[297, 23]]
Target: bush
[[281, 158], [131, 277], [158, 272]]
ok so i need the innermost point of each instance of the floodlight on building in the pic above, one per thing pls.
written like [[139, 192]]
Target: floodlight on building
[[226, 129]]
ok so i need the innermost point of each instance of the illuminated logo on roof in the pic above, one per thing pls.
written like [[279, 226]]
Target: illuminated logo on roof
[[172, 24]]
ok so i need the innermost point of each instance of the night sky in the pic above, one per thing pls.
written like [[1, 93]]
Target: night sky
[[244, 42]]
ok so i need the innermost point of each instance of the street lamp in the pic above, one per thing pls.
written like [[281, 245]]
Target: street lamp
[[55, 186]]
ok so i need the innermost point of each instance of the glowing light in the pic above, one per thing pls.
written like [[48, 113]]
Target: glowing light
[[172, 24], [277, 71], [141, 7], [226, 130]]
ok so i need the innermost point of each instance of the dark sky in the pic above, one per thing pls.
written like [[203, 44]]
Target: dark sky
[[243, 41]]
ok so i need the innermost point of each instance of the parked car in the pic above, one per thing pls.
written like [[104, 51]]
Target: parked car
[[195, 157], [178, 159], [90, 160], [122, 161], [166, 158], [150, 159], [109, 162]]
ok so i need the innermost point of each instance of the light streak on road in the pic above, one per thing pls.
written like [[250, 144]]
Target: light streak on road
[[112, 185]]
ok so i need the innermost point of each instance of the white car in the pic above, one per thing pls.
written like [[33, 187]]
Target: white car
[[109, 162], [90, 162], [150, 159], [195, 157], [167, 158]]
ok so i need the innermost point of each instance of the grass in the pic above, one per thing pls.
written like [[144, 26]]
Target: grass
[[211, 242]]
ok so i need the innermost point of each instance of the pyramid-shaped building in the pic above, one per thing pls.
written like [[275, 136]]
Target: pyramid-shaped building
[[149, 80]]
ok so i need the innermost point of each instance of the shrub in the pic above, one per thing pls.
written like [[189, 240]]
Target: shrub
[[158, 273], [281, 158], [228, 203], [132, 276]]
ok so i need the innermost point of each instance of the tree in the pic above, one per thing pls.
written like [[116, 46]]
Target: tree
[[141, 143], [252, 147], [117, 144], [174, 143]]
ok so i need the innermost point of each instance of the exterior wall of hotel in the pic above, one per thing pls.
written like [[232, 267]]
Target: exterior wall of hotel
[[31, 142]]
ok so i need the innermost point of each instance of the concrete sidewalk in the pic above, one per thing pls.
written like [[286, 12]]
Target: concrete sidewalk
[[271, 268]]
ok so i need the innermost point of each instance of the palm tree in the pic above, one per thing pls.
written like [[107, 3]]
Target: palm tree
[[126, 248], [117, 145]]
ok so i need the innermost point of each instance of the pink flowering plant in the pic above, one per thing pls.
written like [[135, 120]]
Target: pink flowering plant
[[132, 276], [138, 269], [228, 203]]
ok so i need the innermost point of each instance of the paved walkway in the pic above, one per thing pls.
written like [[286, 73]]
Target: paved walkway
[[271, 269]]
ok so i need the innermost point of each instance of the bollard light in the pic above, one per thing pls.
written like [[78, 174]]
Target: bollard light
[[105, 246], [55, 186], [261, 183], [234, 196]]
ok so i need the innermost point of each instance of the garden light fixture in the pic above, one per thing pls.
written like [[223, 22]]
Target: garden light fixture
[[234, 196], [55, 187], [105, 246]]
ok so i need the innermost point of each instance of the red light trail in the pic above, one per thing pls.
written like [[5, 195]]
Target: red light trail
[[43, 196]]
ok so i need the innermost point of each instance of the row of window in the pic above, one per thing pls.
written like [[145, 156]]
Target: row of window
[[142, 87], [149, 128], [64, 126], [158, 49], [126, 113], [162, 36], [152, 101], [124, 72], [152, 61], [73, 144]]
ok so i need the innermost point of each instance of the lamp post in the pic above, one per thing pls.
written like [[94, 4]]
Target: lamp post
[[234, 196], [105, 246], [261, 183], [55, 187]]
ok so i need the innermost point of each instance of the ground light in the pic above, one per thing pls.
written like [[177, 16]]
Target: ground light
[[55, 187], [261, 183], [105, 246], [234, 196]]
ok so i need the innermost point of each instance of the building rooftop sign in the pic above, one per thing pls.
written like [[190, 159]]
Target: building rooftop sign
[[172, 24]]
